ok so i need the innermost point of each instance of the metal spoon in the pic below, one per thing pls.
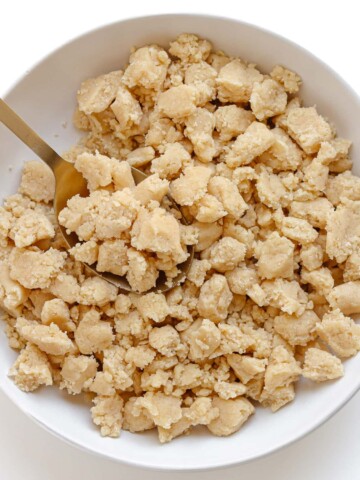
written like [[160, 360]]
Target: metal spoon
[[70, 182]]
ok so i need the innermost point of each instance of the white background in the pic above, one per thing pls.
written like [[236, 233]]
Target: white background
[[32, 28]]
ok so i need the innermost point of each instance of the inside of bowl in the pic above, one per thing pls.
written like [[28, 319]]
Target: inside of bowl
[[46, 98]]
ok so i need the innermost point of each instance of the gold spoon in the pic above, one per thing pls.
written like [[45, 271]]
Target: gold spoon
[[70, 182]]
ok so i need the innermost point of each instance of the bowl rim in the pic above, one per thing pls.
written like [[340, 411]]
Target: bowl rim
[[141, 464]]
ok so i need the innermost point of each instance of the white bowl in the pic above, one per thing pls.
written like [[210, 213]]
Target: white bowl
[[45, 97]]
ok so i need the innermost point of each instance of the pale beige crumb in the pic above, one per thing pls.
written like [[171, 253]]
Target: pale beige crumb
[[232, 415], [198, 271], [316, 211], [343, 231], [320, 279], [174, 159], [101, 384], [257, 295], [271, 190], [12, 294], [316, 175], [191, 186], [93, 334], [165, 340], [218, 60], [268, 99], [147, 69], [14, 206], [208, 233], [226, 254], [352, 267], [346, 185], [96, 169], [203, 339], [240, 279], [275, 257], [30, 228], [158, 232], [65, 287], [97, 291], [246, 368], [37, 182], [199, 129], [231, 121], [86, 252], [281, 371], [134, 419], [107, 414], [140, 356], [208, 209], [150, 189], [115, 366], [286, 295], [35, 269], [49, 338], [228, 194], [164, 410], [214, 299], [96, 94], [202, 77], [142, 273], [298, 230], [227, 391], [308, 128], [283, 154], [290, 80], [161, 131], [177, 102], [236, 81], [190, 48], [346, 297], [31, 369], [297, 330], [56, 311], [126, 109], [122, 303], [77, 373], [320, 366], [140, 156], [341, 333], [153, 306], [112, 257], [181, 427], [278, 398], [187, 376], [311, 256], [202, 411], [256, 139]]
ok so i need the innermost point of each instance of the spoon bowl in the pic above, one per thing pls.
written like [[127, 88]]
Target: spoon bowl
[[68, 183]]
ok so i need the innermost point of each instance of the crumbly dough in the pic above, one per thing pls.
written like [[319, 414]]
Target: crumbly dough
[[31, 369], [320, 365], [273, 212], [232, 415], [49, 338], [37, 182], [77, 372]]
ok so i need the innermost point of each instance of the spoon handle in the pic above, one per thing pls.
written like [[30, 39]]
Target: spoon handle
[[26, 134]]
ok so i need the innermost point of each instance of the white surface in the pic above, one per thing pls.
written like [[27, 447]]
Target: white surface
[[52, 85], [29, 453], [317, 455]]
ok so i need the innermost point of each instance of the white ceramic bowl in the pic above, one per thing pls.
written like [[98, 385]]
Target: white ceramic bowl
[[45, 97]]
